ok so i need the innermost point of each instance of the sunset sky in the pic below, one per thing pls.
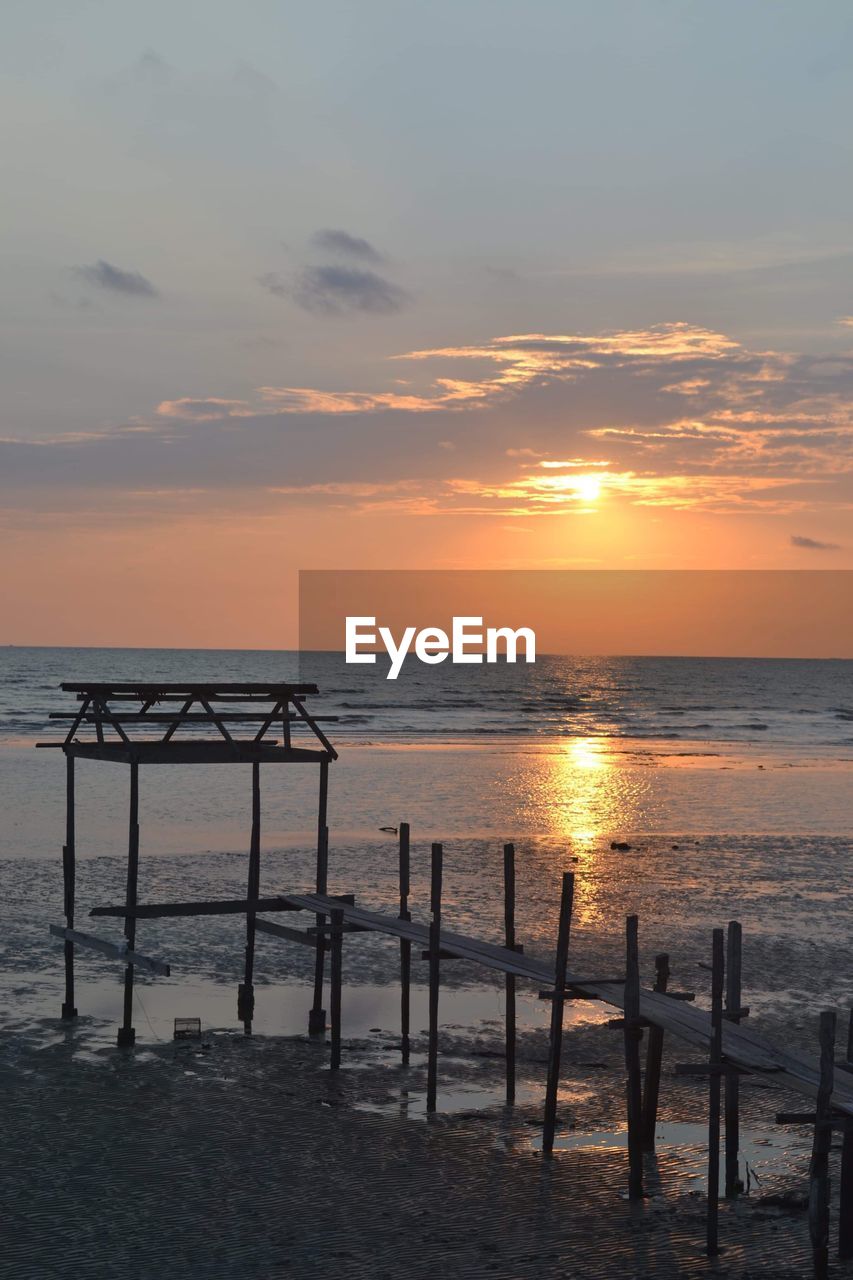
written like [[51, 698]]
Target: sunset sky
[[386, 285]]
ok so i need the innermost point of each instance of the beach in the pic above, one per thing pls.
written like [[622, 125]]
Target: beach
[[246, 1156]]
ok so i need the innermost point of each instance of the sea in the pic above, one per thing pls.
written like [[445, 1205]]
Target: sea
[[728, 780]]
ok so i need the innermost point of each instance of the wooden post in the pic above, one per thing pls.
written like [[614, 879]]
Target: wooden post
[[734, 943], [434, 974], [405, 946], [68, 875], [845, 1193], [317, 1015], [819, 1189], [634, 1084], [335, 981], [509, 938], [246, 991], [126, 1033], [654, 1060], [558, 1000], [714, 1082]]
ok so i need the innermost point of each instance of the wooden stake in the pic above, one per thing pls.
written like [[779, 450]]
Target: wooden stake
[[734, 943], [335, 982], [434, 975], [509, 937], [845, 1194], [317, 1015], [68, 875], [654, 1060], [405, 946], [634, 1084], [126, 1033], [819, 1189], [716, 1060], [246, 992], [557, 1004]]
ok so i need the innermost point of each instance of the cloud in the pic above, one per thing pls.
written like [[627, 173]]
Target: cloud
[[103, 275], [342, 243], [812, 544], [672, 417], [337, 290]]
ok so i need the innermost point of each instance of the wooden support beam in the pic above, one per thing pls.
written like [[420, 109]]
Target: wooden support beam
[[555, 1041], [126, 1034], [69, 1009], [733, 1013], [214, 907], [509, 979], [303, 936], [654, 1061], [819, 1189], [405, 943], [436, 873], [715, 1059], [845, 1191], [317, 1014], [633, 1083], [246, 990], [335, 984], [113, 950]]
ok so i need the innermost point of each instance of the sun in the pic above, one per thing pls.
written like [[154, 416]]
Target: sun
[[588, 488]]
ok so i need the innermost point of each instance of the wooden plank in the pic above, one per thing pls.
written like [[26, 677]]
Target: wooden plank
[[157, 691], [317, 1014], [733, 1013], [555, 1038], [246, 991], [336, 983], [285, 933], [405, 944], [126, 1033], [821, 1145], [436, 867], [186, 751], [215, 907], [654, 1061], [633, 1035], [187, 717], [845, 1192], [715, 1058], [113, 950], [509, 980], [69, 1009]]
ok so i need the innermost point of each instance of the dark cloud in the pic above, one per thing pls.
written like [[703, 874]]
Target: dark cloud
[[341, 242], [336, 290], [813, 544], [105, 276]]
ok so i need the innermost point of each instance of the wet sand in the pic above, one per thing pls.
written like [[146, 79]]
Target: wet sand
[[247, 1157]]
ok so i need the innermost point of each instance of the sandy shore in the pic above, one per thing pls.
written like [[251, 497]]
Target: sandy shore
[[247, 1157]]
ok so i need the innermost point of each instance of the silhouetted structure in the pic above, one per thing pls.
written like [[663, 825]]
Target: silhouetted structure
[[152, 723]]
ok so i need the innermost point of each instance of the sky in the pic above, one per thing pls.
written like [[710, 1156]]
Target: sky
[[395, 284]]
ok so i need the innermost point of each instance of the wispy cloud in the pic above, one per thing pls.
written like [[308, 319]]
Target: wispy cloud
[[813, 544], [336, 290], [330, 240], [103, 275]]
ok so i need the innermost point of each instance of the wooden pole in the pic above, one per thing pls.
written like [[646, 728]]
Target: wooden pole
[[68, 875], [716, 1062], [126, 1033], [819, 1189], [405, 946], [654, 1060], [558, 1000], [246, 991], [509, 937], [335, 982], [317, 1015], [634, 1084], [434, 975], [734, 946], [845, 1193]]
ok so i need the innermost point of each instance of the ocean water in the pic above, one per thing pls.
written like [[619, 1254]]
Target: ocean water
[[730, 780], [787, 703]]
